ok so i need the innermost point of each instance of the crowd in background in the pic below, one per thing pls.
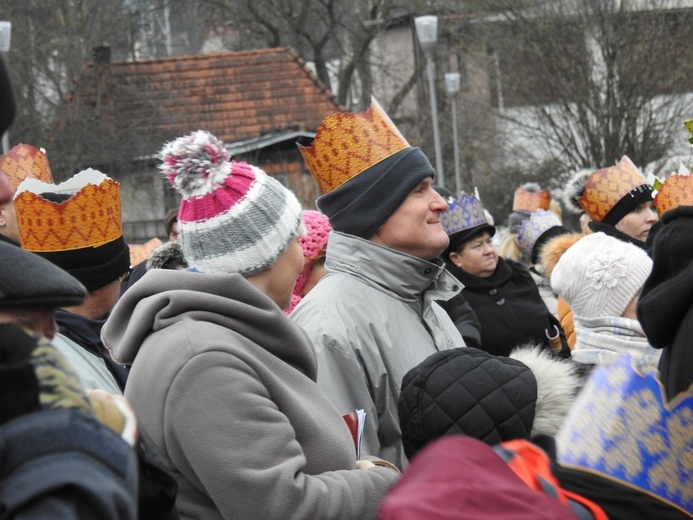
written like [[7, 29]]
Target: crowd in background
[[548, 377]]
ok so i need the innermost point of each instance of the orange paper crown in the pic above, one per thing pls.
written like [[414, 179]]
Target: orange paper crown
[[90, 217], [676, 190], [347, 144], [24, 161], [527, 200], [140, 252], [605, 187]]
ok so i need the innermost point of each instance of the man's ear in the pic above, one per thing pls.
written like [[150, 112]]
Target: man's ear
[[454, 258], [3, 217]]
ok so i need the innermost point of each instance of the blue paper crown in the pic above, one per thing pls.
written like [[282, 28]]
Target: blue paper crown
[[465, 213], [622, 428], [530, 230]]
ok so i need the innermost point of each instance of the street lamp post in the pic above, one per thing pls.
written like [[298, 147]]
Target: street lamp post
[[5, 32], [427, 34], [452, 86]]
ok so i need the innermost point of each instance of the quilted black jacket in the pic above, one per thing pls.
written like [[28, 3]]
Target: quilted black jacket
[[466, 391], [491, 398]]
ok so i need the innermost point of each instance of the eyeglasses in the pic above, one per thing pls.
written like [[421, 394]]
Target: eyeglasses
[[125, 276]]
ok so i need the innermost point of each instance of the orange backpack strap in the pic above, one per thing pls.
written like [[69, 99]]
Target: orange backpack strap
[[533, 466]]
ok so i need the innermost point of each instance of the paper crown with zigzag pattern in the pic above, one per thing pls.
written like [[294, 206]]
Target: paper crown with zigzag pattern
[[89, 215], [607, 187], [347, 144], [621, 428], [465, 213], [530, 230], [24, 161]]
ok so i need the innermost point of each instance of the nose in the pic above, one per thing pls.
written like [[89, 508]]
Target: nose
[[652, 215], [438, 203]]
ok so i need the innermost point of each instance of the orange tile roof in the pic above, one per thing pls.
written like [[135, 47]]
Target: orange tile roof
[[235, 95]]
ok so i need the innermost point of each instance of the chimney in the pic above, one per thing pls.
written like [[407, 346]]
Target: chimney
[[101, 55]]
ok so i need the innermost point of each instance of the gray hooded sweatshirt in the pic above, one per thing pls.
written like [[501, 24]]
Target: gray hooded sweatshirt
[[224, 385]]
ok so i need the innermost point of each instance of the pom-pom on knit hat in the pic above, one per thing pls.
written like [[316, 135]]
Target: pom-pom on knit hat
[[599, 275], [233, 217]]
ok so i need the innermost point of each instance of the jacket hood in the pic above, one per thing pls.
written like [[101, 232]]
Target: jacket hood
[[558, 383], [164, 297]]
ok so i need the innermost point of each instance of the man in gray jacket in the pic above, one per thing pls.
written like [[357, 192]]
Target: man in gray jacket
[[374, 316]]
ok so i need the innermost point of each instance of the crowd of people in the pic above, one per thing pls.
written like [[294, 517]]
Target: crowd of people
[[218, 378]]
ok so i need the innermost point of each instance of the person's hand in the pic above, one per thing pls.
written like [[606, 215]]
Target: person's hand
[[375, 463], [115, 412]]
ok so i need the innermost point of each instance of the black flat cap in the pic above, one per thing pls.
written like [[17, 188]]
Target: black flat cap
[[27, 280]]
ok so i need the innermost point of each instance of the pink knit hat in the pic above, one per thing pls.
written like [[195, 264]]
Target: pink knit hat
[[313, 244]]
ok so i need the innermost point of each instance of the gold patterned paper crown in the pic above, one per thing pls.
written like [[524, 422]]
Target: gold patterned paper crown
[[606, 187], [140, 252], [90, 217], [676, 190], [347, 144], [465, 213], [622, 428], [530, 230], [528, 200], [24, 161]]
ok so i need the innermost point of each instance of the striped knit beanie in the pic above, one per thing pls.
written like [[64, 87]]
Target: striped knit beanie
[[233, 217]]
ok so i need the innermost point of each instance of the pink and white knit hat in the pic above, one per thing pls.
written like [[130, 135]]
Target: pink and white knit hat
[[234, 218]]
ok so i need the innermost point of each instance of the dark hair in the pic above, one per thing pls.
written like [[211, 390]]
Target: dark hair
[[170, 219]]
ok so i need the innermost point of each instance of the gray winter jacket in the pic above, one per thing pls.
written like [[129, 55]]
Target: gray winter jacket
[[224, 385], [372, 319]]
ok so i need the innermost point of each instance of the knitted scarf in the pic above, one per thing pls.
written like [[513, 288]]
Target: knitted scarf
[[602, 339]]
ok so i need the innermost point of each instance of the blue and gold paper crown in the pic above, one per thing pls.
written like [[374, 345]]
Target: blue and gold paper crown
[[530, 230], [622, 428], [462, 214]]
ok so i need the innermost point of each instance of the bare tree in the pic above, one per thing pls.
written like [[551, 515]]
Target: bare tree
[[589, 81]]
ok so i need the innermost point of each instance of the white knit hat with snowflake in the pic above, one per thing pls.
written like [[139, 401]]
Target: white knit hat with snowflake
[[599, 275]]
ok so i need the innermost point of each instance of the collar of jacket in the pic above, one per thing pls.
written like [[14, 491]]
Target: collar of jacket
[[84, 331], [391, 271]]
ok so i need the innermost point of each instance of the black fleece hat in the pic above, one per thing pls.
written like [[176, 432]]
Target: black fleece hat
[[362, 204], [27, 280], [95, 267]]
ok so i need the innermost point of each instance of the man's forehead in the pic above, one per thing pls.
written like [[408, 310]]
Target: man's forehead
[[6, 191], [428, 181]]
